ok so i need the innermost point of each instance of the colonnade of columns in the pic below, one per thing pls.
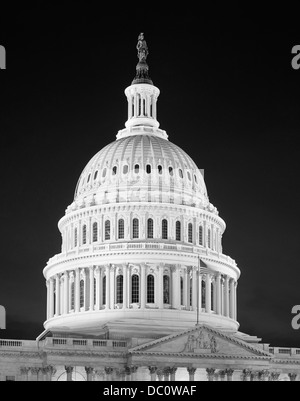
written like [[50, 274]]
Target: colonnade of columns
[[177, 287], [37, 374]]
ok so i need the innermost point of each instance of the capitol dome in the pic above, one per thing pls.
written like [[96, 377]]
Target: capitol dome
[[142, 252], [141, 167]]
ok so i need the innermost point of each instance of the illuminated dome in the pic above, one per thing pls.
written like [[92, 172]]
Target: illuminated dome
[[142, 251], [143, 167]]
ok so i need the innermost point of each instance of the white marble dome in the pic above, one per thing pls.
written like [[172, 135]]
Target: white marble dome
[[136, 168]]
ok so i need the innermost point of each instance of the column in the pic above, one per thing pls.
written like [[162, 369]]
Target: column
[[208, 293], [77, 291], [229, 373], [274, 377], [48, 299], [98, 288], [176, 288], [24, 374], [218, 289], [89, 374], [50, 372], [173, 374], [166, 374], [153, 371], [264, 376], [235, 301], [112, 287], [69, 370], [92, 288], [247, 375], [226, 298], [254, 376], [51, 297], [188, 289], [185, 288], [293, 377], [232, 290], [107, 292], [85, 291], [125, 287], [160, 375], [109, 374], [192, 372], [160, 291], [143, 286], [210, 374], [134, 370], [128, 374], [57, 295], [222, 375], [194, 290], [34, 374], [66, 293]]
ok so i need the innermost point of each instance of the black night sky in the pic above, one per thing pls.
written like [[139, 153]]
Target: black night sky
[[229, 98]]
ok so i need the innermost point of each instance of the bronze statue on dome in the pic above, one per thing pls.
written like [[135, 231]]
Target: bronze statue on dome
[[142, 49]]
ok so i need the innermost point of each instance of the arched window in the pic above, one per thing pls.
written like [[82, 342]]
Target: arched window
[[178, 231], [135, 229], [181, 291], [150, 229], [107, 230], [115, 170], [135, 289], [104, 290], [136, 169], [125, 169], [190, 233], [104, 173], [121, 229], [165, 229], [89, 177], [75, 238], [81, 293], [95, 232], [150, 289], [119, 290], [180, 173], [73, 296], [160, 170], [166, 290], [209, 238], [148, 169], [84, 235], [201, 236], [95, 175], [171, 171]]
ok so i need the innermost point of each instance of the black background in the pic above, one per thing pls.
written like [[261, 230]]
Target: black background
[[229, 98]]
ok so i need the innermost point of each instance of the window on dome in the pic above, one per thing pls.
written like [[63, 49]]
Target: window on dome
[[165, 229], [84, 235], [150, 289], [160, 170], [189, 176], [95, 232], [75, 238], [119, 290], [166, 290], [125, 169], [73, 296], [196, 179], [104, 173], [95, 175], [180, 173], [171, 171], [201, 236], [107, 230], [136, 169], [135, 289], [121, 229], [150, 227], [81, 293], [104, 290], [135, 228], [89, 177], [148, 169], [178, 231], [190, 233], [115, 170]]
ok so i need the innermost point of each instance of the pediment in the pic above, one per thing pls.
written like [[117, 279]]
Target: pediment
[[202, 341]]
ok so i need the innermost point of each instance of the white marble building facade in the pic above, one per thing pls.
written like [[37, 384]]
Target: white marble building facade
[[142, 289]]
